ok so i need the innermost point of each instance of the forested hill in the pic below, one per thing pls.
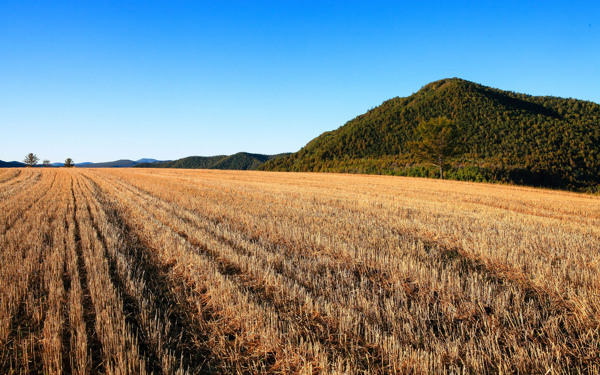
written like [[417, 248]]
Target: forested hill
[[505, 136], [239, 161]]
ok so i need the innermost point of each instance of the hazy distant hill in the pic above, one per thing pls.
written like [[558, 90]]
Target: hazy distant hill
[[122, 163], [146, 160], [239, 161], [11, 164], [506, 136]]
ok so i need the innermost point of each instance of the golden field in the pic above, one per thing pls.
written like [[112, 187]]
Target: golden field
[[133, 271]]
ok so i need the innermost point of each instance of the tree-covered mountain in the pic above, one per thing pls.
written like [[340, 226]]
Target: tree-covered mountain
[[504, 136], [190, 162], [242, 161], [239, 161]]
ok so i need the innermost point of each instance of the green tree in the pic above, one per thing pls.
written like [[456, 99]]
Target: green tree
[[438, 142], [69, 163], [31, 159], [46, 163]]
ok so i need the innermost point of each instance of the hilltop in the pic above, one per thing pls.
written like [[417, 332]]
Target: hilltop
[[506, 136], [239, 161]]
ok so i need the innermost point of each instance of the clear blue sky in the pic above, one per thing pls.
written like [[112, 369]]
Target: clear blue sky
[[104, 80]]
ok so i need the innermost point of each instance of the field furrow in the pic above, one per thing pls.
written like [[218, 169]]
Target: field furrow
[[253, 268], [152, 324], [182, 272], [25, 200], [32, 294], [18, 185], [9, 175], [165, 317], [198, 263], [120, 350], [552, 324]]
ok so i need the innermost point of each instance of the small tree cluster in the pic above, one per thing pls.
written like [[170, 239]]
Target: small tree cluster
[[31, 160]]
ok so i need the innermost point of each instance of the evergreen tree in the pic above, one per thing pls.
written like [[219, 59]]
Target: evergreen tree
[[438, 142]]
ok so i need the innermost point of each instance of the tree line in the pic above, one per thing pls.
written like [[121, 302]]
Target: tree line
[[31, 160]]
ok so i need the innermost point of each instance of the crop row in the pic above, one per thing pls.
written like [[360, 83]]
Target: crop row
[[181, 272]]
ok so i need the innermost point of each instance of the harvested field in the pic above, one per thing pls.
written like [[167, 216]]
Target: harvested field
[[134, 271]]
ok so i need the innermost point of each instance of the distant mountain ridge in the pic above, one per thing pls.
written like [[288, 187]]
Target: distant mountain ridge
[[147, 160], [11, 164], [239, 161], [122, 163], [505, 136]]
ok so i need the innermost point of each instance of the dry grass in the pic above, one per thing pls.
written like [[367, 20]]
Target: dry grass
[[170, 271]]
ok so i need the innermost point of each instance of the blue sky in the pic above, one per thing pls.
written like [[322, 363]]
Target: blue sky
[[105, 80]]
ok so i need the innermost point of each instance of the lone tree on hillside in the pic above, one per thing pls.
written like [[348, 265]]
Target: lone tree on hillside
[[69, 163], [31, 159], [438, 141], [46, 163]]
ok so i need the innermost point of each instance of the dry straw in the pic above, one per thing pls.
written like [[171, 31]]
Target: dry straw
[[169, 271]]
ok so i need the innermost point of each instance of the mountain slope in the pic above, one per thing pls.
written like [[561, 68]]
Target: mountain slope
[[190, 162], [239, 161], [242, 161], [505, 136]]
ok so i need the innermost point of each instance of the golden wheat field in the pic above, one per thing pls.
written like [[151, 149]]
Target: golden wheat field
[[136, 271]]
